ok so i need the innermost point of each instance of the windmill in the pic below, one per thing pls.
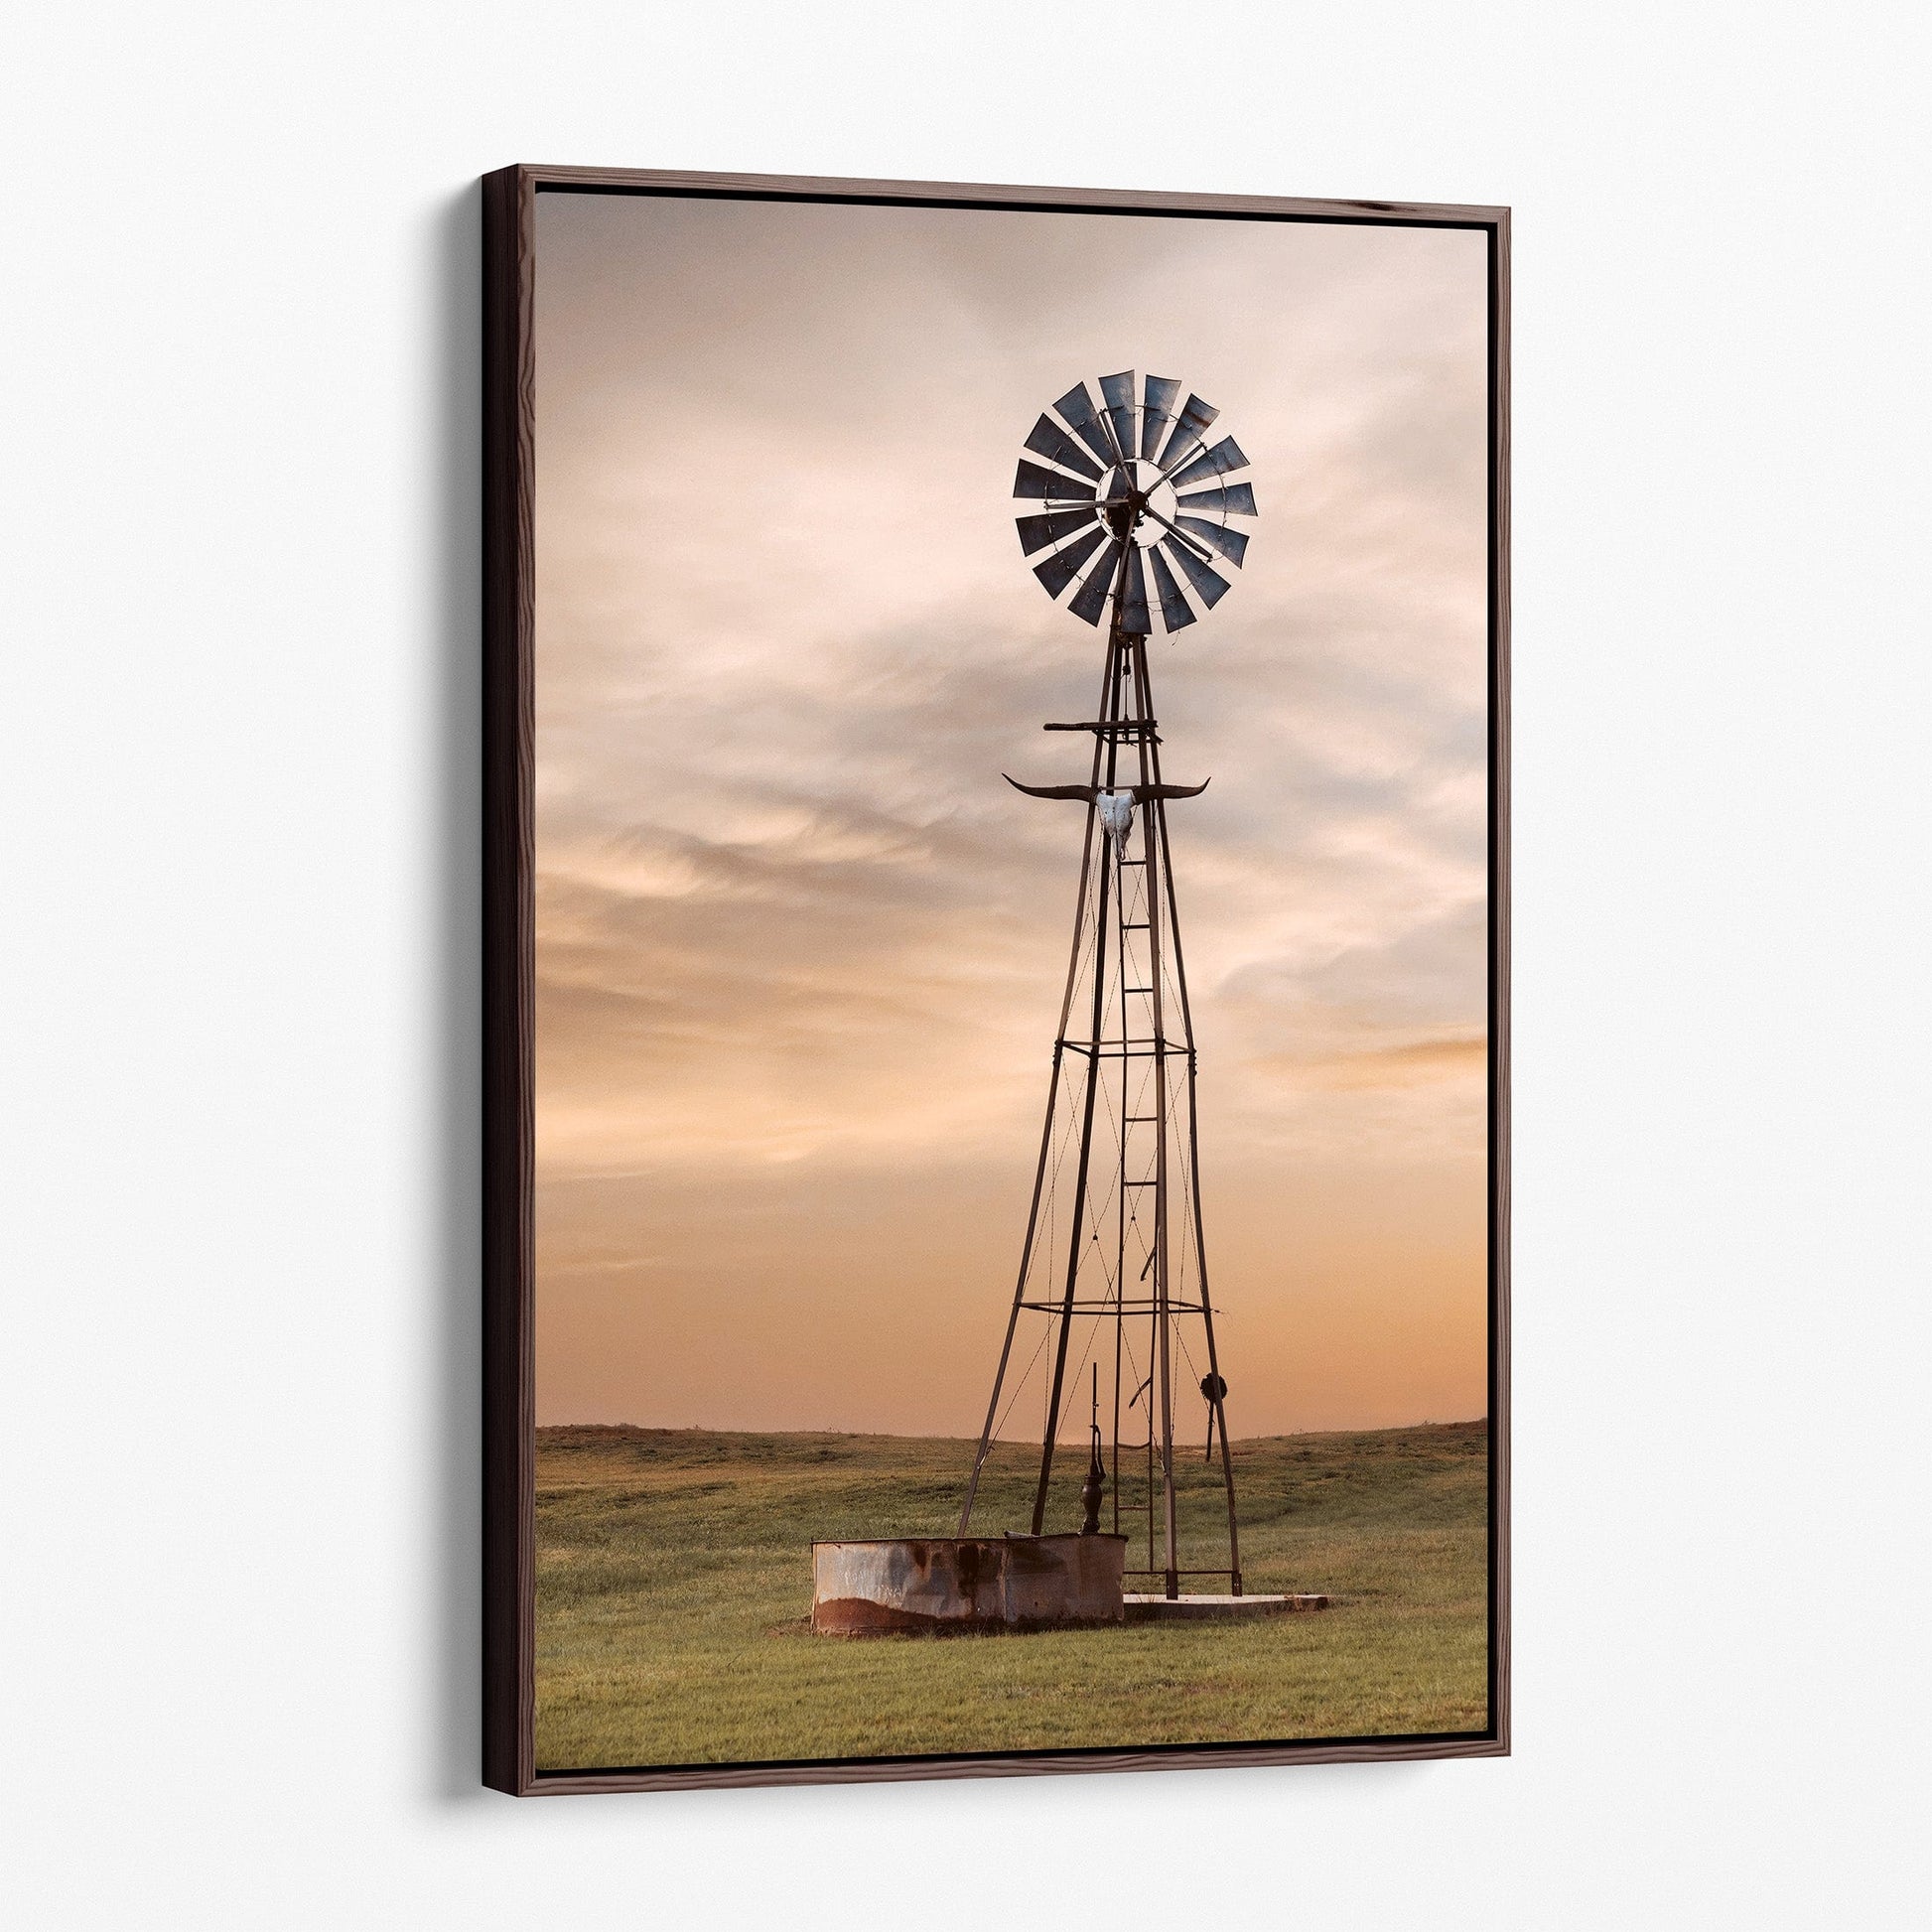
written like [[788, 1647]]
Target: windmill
[[1133, 503]]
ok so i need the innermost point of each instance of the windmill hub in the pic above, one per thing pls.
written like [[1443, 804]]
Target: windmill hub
[[1131, 491]]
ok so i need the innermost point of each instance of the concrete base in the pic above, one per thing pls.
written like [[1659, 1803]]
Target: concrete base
[[1165, 1610], [940, 1585]]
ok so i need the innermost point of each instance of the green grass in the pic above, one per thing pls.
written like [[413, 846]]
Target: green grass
[[675, 1592]]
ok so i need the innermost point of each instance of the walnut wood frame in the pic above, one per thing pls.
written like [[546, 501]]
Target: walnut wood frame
[[508, 1030]]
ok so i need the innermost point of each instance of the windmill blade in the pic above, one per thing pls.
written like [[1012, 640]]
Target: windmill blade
[[1119, 393], [1232, 544], [1157, 413], [1133, 603], [1218, 462], [1064, 566], [1209, 584], [1032, 481], [1091, 599], [1175, 611], [1054, 443], [1077, 407], [1230, 499], [1037, 532], [1188, 433]]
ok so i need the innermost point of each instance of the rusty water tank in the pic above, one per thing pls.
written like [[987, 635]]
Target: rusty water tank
[[940, 1585]]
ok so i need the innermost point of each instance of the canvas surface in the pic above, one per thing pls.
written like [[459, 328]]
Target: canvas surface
[[803, 955]]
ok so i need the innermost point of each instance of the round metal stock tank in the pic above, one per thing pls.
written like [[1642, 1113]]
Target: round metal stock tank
[[939, 1584]]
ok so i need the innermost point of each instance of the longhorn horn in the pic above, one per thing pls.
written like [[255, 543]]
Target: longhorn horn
[[1143, 793], [1085, 793]]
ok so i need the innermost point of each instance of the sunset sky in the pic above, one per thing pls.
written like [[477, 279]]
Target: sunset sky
[[799, 950]]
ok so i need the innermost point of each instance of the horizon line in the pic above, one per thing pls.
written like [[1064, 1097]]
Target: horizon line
[[998, 1442]]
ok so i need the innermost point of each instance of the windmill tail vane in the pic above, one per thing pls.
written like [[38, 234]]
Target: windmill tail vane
[[1133, 513]]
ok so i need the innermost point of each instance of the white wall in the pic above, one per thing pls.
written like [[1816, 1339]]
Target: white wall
[[238, 1642]]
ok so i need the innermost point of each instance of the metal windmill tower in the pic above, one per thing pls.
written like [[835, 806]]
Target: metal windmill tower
[[1115, 1257]]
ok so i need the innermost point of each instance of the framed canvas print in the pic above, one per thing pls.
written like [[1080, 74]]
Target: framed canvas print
[[996, 1153]]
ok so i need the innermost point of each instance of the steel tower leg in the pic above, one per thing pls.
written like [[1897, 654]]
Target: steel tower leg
[[1218, 1402], [1046, 1131], [1097, 1017]]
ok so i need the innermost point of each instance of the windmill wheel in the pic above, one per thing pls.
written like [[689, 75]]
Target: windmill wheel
[[1131, 490]]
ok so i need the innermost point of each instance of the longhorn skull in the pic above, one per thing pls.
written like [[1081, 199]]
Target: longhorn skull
[[1115, 808]]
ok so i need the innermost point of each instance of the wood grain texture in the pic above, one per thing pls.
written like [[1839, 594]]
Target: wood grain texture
[[509, 763], [1499, 1705], [811, 188], [508, 973], [1025, 1764]]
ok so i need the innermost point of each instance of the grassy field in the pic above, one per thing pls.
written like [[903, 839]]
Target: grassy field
[[675, 1592]]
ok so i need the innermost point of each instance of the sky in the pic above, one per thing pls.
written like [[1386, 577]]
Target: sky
[[800, 949]]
